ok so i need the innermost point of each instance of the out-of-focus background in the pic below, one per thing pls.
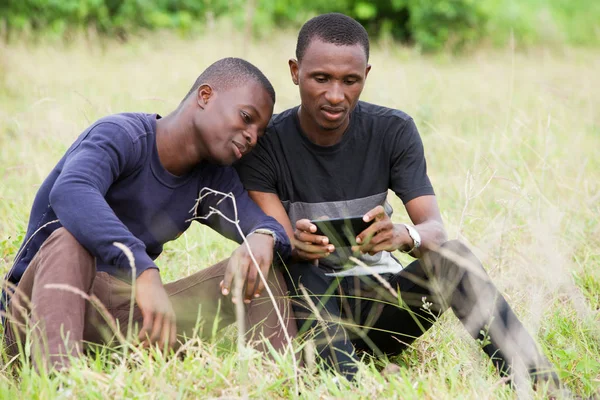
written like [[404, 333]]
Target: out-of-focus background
[[427, 24], [505, 94]]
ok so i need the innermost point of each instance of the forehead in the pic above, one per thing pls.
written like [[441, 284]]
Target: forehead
[[250, 92], [333, 58]]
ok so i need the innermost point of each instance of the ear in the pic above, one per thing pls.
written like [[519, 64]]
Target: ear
[[294, 69], [205, 92], [367, 70]]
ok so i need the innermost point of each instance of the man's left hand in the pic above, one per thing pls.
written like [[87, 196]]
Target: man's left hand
[[262, 248], [381, 235]]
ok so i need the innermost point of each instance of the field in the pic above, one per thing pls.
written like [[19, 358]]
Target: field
[[512, 143]]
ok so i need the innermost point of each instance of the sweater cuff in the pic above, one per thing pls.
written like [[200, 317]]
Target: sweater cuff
[[141, 259]]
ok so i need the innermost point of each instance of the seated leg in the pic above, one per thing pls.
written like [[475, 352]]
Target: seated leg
[[318, 313], [48, 301]]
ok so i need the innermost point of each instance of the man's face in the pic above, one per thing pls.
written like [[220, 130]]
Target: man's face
[[331, 79], [233, 120]]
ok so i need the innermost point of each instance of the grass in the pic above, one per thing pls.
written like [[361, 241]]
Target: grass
[[511, 141]]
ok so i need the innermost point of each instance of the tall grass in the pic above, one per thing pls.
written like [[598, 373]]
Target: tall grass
[[511, 141]]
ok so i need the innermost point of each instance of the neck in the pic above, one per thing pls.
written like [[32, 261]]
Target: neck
[[178, 149], [319, 135]]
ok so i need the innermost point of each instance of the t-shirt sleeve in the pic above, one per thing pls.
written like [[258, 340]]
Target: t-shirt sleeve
[[257, 170], [408, 177], [77, 197]]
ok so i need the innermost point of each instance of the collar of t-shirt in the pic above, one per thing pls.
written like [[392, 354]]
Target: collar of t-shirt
[[324, 149]]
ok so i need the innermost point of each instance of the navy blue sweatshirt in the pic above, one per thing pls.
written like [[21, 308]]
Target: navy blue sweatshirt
[[111, 187]]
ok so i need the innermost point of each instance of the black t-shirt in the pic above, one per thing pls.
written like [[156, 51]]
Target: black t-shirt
[[380, 150]]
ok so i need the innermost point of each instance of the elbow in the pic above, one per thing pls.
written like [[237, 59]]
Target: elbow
[[54, 196], [58, 195]]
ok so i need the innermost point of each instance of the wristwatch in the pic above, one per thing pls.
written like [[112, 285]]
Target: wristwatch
[[414, 235], [265, 231]]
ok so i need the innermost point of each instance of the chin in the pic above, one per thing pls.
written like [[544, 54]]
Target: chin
[[329, 126]]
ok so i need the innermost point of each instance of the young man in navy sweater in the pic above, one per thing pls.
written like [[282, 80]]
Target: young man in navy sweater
[[135, 179]]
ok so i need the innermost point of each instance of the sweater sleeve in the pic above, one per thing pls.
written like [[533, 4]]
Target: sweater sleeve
[[249, 216], [106, 153]]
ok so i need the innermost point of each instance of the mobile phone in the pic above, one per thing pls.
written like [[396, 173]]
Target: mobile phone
[[341, 232]]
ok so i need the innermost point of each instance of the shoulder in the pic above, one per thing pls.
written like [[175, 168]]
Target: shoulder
[[281, 123], [126, 126], [283, 118], [279, 128], [380, 114], [392, 125]]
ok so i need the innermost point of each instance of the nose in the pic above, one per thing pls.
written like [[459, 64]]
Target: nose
[[251, 137], [335, 94]]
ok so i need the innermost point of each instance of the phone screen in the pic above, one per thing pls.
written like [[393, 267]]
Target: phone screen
[[341, 232]]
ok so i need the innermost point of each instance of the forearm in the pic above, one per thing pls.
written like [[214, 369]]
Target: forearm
[[84, 212], [250, 218], [432, 233]]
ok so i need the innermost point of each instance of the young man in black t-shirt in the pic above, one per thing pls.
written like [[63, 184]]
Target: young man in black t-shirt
[[337, 157]]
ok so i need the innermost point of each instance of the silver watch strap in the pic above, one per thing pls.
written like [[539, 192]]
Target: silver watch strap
[[414, 235]]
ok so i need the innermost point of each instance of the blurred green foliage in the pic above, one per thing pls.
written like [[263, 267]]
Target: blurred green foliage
[[429, 24]]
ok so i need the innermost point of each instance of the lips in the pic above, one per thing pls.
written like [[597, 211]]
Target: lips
[[239, 149], [333, 113]]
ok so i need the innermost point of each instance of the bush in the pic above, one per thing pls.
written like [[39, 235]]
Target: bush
[[428, 24]]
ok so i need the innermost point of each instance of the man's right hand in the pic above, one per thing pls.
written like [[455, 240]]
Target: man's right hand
[[158, 316], [308, 245]]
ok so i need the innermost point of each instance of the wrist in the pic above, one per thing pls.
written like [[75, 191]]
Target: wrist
[[404, 241], [414, 239], [149, 275], [266, 232]]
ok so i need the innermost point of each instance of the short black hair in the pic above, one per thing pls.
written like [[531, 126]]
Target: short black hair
[[230, 72], [335, 28]]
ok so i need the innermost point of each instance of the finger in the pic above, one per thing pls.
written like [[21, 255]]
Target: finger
[[305, 225], [228, 277], [251, 282], [381, 236], [380, 242], [385, 246], [165, 334], [147, 323], [377, 212], [173, 332], [260, 285], [310, 256], [315, 248], [368, 233], [156, 328], [311, 237]]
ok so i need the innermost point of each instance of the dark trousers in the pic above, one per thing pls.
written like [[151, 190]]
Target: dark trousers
[[346, 314]]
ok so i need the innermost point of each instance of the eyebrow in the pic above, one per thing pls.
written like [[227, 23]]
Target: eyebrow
[[350, 75]]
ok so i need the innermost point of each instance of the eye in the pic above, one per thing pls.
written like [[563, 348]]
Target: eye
[[320, 79], [246, 117], [350, 81]]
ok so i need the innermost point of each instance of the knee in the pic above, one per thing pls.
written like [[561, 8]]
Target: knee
[[458, 252], [456, 247], [454, 258], [461, 262], [64, 245]]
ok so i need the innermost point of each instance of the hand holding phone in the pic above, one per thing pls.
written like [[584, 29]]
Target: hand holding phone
[[341, 232], [308, 245]]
